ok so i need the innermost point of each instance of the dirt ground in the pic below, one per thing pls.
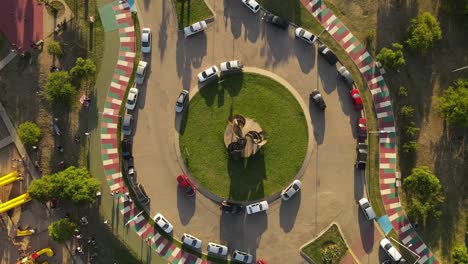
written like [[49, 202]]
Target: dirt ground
[[425, 76]]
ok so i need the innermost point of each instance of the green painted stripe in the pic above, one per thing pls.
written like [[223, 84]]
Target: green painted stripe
[[110, 172], [105, 156], [120, 72], [358, 48], [113, 95], [103, 130], [107, 105], [341, 30], [389, 170], [106, 146], [107, 120]]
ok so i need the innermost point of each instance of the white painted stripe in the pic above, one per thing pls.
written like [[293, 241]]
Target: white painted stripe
[[175, 252], [381, 115], [375, 91], [106, 136], [125, 210], [115, 85], [111, 151], [316, 12], [393, 217], [142, 230], [116, 101], [384, 104], [122, 62], [119, 16], [364, 56], [390, 155], [407, 239], [331, 19], [111, 125], [313, 2], [350, 48], [365, 68], [199, 260], [161, 246], [108, 162], [421, 248], [376, 79], [333, 30], [386, 191], [115, 187], [384, 165], [348, 37], [423, 259], [125, 39], [384, 140], [129, 29], [389, 129], [124, 6], [389, 180], [395, 205], [405, 228], [116, 176], [124, 78], [155, 237], [130, 54]]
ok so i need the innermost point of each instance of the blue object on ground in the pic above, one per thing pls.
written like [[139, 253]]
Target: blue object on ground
[[385, 224]]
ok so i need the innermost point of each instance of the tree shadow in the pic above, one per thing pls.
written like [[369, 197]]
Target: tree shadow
[[288, 212], [189, 53], [185, 206], [247, 175], [163, 30], [326, 76], [305, 62]]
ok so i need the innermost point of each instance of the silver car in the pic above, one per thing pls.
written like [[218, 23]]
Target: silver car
[[207, 74], [163, 223], [231, 66], [146, 40], [191, 241], [182, 100], [242, 257], [141, 72], [127, 125], [195, 28], [252, 5], [257, 207], [217, 249], [292, 189]]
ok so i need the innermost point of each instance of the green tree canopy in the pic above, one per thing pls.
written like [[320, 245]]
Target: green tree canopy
[[62, 229], [73, 184], [460, 254], [453, 104], [425, 194], [423, 32], [29, 133], [84, 68], [55, 49], [392, 58], [59, 89]]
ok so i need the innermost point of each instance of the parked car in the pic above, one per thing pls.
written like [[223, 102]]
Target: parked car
[[132, 98], [391, 251], [191, 241], [345, 75], [127, 149], [141, 72], [292, 189], [362, 129], [207, 74], [217, 249], [305, 35], [182, 100], [129, 167], [257, 207], [127, 125], [163, 223], [231, 66], [242, 257], [146, 40], [186, 184], [275, 20], [231, 208], [252, 5], [361, 156], [317, 98], [357, 100], [195, 28], [366, 208], [327, 54]]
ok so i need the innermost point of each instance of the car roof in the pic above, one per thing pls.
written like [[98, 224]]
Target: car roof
[[141, 67], [127, 119]]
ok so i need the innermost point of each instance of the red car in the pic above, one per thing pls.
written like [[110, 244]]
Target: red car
[[357, 100], [362, 129], [261, 262], [185, 183]]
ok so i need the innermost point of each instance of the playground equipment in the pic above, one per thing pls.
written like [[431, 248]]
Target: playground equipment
[[9, 178], [32, 258], [26, 232], [17, 201]]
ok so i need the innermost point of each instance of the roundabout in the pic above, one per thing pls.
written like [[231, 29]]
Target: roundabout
[[269, 108]]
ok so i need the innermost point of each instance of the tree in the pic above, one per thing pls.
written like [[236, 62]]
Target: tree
[[84, 68], [73, 184], [406, 112], [55, 49], [392, 58], [29, 133], [425, 194], [453, 104], [460, 254], [62, 229], [423, 32], [59, 89]]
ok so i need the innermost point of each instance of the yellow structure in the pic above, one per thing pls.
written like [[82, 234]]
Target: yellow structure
[[17, 201], [9, 178], [26, 232], [32, 259]]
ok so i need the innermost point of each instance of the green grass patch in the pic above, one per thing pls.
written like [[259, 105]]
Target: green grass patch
[[330, 245], [191, 11], [273, 107]]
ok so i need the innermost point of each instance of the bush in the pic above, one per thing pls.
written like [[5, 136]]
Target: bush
[[59, 89], [423, 32], [392, 58], [406, 112], [62, 230], [55, 49], [410, 147], [460, 254], [29, 133], [453, 104], [402, 91], [411, 131]]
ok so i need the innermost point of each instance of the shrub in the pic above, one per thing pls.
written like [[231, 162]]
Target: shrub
[[423, 32], [406, 112], [62, 230], [402, 91], [410, 147], [453, 104], [392, 58], [55, 49], [460, 254], [29, 133], [59, 89], [411, 131]]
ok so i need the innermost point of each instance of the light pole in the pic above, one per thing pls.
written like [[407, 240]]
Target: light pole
[[459, 69]]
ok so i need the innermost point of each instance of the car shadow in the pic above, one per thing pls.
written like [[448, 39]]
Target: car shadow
[[288, 212], [358, 184], [318, 122], [142, 88], [185, 205], [255, 225], [180, 120], [366, 230], [230, 8], [189, 53]]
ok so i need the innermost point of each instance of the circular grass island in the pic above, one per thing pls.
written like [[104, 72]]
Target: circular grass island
[[259, 98]]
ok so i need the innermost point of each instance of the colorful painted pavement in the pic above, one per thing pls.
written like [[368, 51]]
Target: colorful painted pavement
[[109, 143], [386, 122]]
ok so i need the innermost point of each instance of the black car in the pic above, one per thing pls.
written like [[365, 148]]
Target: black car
[[317, 98], [276, 20], [127, 149], [327, 54], [361, 158], [232, 208]]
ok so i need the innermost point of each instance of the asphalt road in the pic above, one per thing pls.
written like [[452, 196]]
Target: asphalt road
[[331, 186]]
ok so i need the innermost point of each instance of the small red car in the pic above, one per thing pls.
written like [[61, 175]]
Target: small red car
[[357, 100], [362, 129], [185, 183]]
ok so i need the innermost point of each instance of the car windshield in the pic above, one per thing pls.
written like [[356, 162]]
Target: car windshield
[[165, 226], [130, 101], [301, 33], [145, 44], [228, 65], [295, 187], [388, 246], [365, 205], [204, 74]]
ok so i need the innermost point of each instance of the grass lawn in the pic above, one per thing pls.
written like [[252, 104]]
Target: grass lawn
[[314, 250], [191, 11], [273, 108]]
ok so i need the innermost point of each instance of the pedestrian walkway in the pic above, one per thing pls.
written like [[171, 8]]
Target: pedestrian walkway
[[386, 122], [4, 62]]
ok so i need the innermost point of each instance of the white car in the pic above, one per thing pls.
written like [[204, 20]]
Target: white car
[[141, 72], [191, 241], [146, 40], [305, 35], [163, 223], [252, 5], [391, 251], [195, 28], [231, 66], [292, 189], [367, 209], [242, 257], [181, 101], [208, 74], [257, 207], [217, 249], [132, 98]]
